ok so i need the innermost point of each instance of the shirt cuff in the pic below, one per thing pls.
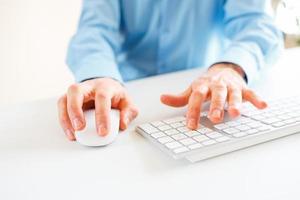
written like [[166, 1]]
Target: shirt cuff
[[92, 70], [244, 59]]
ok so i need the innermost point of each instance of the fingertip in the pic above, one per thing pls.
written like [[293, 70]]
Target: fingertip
[[264, 105], [123, 123], [192, 124], [70, 135], [234, 112], [102, 130], [164, 98], [216, 116], [261, 105]]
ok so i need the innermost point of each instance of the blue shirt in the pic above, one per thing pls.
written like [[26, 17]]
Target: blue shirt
[[130, 39]]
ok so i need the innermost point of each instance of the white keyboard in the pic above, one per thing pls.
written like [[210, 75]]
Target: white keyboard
[[281, 118]]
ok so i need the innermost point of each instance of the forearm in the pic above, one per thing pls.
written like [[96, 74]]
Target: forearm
[[254, 39], [92, 50]]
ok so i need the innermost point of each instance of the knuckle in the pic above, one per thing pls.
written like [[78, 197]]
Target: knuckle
[[64, 121], [101, 115], [74, 88], [134, 112], [101, 94], [250, 92], [193, 113], [217, 103], [218, 85], [199, 93], [73, 109], [61, 101]]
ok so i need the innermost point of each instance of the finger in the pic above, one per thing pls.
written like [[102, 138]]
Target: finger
[[235, 100], [196, 100], [128, 112], [64, 118], [218, 99], [75, 99], [176, 100], [102, 112], [250, 96]]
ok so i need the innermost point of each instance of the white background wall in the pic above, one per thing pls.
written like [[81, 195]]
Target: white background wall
[[34, 35]]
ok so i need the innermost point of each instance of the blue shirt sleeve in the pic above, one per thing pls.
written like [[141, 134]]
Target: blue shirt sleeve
[[254, 41], [92, 49]]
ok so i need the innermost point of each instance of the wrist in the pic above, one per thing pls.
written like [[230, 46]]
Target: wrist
[[231, 66]]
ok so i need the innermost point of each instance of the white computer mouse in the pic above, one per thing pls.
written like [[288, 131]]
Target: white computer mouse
[[89, 136]]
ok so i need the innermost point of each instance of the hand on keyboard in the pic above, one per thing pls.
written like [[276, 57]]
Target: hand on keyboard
[[221, 83]]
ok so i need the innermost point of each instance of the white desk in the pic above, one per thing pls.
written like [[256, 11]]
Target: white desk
[[37, 161]]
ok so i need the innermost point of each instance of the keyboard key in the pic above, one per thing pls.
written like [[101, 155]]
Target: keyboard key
[[254, 124], [278, 124], [164, 127], [264, 128], [173, 145], [243, 127], [173, 120], [180, 150], [289, 121], [258, 117], [284, 117], [271, 120], [214, 135], [171, 132], [222, 139], [195, 146], [204, 130], [187, 141], [165, 139], [192, 133], [183, 129], [157, 123], [232, 123], [221, 126], [179, 136], [252, 113], [231, 130], [201, 138], [208, 142], [176, 125], [158, 135], [243, 120], [240, 134], [204, 114], [252, 131], [148, 128]]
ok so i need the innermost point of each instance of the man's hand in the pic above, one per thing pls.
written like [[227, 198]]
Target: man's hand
[[221, 83], [101, 94]]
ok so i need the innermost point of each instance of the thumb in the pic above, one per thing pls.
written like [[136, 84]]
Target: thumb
[[128, 112], [176, 100]]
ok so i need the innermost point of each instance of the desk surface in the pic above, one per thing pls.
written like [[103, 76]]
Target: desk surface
[[37, 162]]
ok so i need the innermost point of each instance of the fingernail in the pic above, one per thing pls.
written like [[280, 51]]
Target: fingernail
[[216, 113], [77, 123], [192, 123], [264, 104], [69, 134], [234, 110], [102, 130]]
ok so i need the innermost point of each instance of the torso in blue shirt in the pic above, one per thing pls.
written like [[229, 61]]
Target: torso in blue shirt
[[167, 36], [130, 39]]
